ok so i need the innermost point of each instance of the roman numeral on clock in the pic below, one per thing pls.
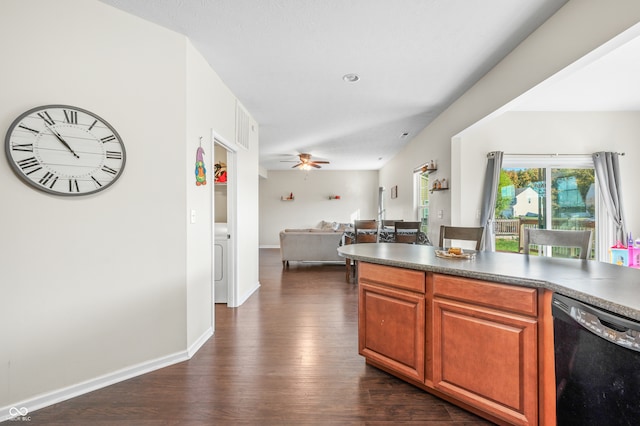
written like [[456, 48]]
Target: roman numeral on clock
[[71, 117], [114, 155], [109, 170], [46, 117], [49, 179], [97, 182], [73, 185], [110, 138], [29, 163], [28, 128], [26, 147]]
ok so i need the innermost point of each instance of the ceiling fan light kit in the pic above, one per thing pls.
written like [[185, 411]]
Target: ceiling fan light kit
[[306, 163]]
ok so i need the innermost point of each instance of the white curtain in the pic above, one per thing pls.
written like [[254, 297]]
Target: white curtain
[[607, 170], [490, 191]]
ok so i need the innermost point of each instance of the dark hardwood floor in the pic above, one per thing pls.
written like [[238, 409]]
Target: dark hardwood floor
[[287, 356]]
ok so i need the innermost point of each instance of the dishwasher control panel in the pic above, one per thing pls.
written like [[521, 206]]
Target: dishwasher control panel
[[616, 329]]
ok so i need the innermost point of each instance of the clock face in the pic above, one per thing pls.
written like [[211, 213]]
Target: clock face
[[65, 150]]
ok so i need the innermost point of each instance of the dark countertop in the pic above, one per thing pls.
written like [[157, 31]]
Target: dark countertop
[[611, 287]]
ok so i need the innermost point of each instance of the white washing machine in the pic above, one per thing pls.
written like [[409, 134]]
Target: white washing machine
[[220, 288]]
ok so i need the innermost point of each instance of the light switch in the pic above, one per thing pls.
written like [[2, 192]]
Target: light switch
[[440, 214], [193, 216]]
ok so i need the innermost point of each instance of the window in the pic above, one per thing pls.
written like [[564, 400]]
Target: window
[[546, 192], [421, 200]]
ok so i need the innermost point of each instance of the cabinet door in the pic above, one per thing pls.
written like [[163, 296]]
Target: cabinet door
[[487, 359], [391, 329]]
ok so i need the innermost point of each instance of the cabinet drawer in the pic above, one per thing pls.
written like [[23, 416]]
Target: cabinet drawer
[[521, 300], [406, 279]]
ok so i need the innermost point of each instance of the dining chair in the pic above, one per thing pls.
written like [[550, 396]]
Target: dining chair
[[411, 231], [557, 238], [390, 223], [461, 233], [364, 231]]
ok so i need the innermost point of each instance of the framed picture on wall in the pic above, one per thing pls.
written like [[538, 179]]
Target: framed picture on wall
[[394, 191]]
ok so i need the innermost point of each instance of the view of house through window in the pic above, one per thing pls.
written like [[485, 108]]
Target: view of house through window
[[547, 196]]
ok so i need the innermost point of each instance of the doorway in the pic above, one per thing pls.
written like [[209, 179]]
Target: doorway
[[224, 207]]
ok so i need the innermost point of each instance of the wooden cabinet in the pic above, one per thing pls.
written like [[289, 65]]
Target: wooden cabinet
[[391, 316], [485, 346]]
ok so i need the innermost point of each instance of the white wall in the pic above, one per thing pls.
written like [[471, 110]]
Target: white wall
[[246, 241], [98, 288], [552, 132], [206, 94], [575, 30], [95, 275], [358, 191]]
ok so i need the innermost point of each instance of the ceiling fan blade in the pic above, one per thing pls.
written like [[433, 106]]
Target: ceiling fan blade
[[306, 162]]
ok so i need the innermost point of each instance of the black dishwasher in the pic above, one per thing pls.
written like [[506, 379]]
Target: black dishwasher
[[597, 360]]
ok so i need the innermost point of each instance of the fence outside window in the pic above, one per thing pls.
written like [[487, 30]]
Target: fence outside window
[[509, 233]]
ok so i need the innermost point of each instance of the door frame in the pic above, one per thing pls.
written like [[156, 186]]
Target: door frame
[[232, 226]]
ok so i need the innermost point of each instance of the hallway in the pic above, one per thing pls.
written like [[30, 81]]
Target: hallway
[[288, 356]]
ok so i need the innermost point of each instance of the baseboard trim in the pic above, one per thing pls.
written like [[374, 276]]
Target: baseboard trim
[[195, 346], [100, 382], [248, 294]]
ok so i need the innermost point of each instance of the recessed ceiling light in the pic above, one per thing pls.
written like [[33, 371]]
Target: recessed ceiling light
[[351, 78]]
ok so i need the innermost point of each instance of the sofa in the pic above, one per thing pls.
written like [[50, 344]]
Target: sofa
[[318, 244]]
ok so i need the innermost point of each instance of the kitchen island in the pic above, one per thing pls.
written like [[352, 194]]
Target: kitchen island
[[477, 332]]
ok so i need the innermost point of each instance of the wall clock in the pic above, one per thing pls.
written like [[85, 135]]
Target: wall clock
[[65, 150]]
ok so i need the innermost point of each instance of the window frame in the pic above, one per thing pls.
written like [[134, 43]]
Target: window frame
[[564, 161], [417, 197]]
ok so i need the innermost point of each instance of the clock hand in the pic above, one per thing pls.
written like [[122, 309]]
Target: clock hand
[[57, 135]]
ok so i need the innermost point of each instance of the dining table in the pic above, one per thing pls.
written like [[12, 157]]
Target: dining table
[[385, 235]]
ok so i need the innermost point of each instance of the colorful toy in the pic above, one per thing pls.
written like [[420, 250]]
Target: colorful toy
[[220, 172], [201, 171], [625, 256]]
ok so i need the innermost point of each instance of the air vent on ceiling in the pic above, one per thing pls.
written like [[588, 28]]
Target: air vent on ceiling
[[242, 126]]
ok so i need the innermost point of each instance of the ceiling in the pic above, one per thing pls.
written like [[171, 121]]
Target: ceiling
[[604, 80], [285, 59]]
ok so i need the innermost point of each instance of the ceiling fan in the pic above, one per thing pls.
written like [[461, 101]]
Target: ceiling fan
[[306, 163]]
